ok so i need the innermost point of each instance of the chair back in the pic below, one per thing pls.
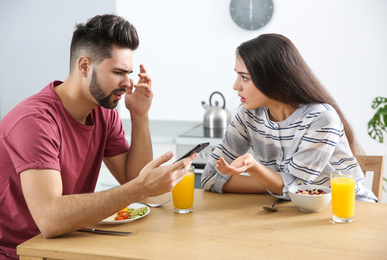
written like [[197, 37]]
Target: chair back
[[371, 163]]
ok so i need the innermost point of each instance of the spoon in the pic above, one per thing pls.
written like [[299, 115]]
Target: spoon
[[272, 209]]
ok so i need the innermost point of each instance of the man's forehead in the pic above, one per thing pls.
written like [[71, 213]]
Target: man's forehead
[[121, 58]]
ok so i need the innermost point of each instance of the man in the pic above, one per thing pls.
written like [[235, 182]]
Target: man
[[53, 143]]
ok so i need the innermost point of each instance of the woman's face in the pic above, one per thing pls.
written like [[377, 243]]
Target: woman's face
[[251, 97]]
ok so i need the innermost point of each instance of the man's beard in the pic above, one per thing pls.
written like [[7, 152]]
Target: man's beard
[[99, 95]]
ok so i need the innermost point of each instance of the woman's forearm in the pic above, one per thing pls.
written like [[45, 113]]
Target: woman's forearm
[[243, 184], [268, 178]]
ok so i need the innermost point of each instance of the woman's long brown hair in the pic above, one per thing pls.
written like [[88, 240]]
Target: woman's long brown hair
[[278, 70]]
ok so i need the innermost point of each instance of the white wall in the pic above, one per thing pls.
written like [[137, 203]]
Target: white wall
[[35, 43], [188, 47]]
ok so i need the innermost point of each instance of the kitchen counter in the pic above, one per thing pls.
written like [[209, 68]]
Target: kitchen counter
[[163, 131]]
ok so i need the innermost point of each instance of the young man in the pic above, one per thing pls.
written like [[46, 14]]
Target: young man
[[52, 144]]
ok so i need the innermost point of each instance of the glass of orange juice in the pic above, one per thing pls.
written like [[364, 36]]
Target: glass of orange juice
[[343, 196], [183, 193]]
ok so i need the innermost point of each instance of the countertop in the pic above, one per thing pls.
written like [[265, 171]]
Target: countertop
[[163, 131]]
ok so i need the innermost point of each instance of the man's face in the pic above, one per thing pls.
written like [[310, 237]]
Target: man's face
[[110, 79]]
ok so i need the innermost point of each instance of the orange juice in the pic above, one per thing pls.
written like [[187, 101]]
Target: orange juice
[[343, 197], [183, 193]]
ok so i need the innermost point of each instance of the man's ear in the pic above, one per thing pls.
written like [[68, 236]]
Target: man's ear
[[84, 65]]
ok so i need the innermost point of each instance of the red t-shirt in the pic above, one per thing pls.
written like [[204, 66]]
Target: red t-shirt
[[39, 133]]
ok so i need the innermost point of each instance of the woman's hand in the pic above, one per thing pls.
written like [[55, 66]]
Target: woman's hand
[[238, 166], [261, 177]]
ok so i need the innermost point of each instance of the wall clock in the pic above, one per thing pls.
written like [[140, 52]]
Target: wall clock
[[251, 14]]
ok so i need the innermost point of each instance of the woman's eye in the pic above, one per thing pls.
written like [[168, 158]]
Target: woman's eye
[[244, 78]]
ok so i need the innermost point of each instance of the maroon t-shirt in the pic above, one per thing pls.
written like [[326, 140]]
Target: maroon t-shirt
[[39, 133]]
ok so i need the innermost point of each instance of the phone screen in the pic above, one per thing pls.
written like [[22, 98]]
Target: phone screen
[[196, 149]]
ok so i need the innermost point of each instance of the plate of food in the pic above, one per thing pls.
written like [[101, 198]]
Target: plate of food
[[131, 213]]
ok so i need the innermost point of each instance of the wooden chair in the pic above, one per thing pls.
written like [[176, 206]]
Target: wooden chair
[[374, 164]]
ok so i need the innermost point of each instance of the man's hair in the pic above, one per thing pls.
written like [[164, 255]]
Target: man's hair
[[95, 39]]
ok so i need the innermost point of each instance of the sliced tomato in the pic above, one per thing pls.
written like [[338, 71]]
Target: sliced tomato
[[120, 213], [123, 214]]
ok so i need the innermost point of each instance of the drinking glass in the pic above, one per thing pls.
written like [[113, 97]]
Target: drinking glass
[[343, 196], [183, 193]]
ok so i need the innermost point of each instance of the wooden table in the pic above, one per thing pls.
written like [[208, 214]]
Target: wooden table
[[227, 226]]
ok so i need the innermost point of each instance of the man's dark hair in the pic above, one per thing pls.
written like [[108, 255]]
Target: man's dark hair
[[95, 39]]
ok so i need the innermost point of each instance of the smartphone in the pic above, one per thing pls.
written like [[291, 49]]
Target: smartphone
[[196, 149]]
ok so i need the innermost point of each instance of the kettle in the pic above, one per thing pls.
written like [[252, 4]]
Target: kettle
[[216, 118]]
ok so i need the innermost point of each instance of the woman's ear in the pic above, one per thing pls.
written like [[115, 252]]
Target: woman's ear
[[84, 65]]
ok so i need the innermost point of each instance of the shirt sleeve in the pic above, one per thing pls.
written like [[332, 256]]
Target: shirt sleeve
[[34, 143], [316, 147], [234, 144]]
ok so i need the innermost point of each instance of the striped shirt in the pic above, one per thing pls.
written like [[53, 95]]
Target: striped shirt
[[304, 148]]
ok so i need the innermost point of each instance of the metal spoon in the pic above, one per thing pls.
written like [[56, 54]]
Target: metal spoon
[[272, 209]]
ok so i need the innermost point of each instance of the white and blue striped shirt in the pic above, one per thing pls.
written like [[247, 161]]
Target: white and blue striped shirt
[[304, 148]]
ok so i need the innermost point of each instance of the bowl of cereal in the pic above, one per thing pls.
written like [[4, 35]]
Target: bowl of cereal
[[310, 198]]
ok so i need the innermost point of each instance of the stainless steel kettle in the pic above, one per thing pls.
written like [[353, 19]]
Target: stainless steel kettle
[[216, 118]]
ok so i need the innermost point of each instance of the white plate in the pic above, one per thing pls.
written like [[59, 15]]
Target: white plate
[[111, 220]]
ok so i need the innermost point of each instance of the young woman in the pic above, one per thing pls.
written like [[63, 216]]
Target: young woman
[[294, 127]]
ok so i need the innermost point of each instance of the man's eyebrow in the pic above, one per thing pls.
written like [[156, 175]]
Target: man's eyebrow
[[124, 70]]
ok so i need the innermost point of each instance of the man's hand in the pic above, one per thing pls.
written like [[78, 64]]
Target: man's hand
[[157, 180], [138, 101]]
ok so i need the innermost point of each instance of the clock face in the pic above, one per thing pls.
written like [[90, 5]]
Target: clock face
[[251, 14]]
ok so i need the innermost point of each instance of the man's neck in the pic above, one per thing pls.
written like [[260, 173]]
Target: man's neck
[[75, 100]]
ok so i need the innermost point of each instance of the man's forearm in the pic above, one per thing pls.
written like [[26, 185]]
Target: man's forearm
[[57, 214], [140, 152]]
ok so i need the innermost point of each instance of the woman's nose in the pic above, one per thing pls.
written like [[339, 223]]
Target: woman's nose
[[236, 85]]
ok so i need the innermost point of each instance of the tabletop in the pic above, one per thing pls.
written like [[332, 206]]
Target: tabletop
[[226, 226]]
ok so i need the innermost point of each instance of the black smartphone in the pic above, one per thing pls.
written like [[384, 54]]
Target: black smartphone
[[196, 149]]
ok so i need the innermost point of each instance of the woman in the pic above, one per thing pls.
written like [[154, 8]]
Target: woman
[[294, 127]]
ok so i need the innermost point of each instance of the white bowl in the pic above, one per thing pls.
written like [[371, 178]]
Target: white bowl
[[310, 203]]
